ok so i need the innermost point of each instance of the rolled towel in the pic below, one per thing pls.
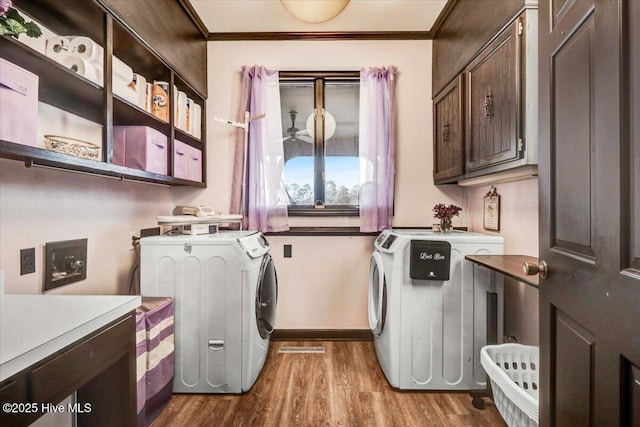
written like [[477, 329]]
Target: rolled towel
[[148, 99], [89, 50], [122, 71], [160, 101], [58, 48], [139, 83], [125, 92], [182, 112], [197, 118], [188, 121], [85, 68], [86, 49], [119, 81]]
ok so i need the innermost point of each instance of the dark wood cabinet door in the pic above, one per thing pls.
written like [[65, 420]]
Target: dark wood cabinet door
[[589, 180], [493, 82], [448, 138]]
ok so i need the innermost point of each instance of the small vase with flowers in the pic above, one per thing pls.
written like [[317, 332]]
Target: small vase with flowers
[[445, 213]]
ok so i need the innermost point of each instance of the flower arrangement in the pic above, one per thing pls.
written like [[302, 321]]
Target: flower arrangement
[[444, 213], [13, 24]]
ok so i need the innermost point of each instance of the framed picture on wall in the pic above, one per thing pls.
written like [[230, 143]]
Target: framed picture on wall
[[492, 210]]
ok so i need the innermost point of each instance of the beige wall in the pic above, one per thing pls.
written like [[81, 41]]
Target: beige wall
[[41, 205], [519, 227]]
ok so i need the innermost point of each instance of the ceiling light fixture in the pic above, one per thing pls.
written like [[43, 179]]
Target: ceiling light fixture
[[315, 11]]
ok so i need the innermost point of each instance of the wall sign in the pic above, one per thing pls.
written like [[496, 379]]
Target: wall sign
[[492, 210]]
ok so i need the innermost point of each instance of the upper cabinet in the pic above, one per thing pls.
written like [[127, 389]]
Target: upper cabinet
[[500, 103], [448, 138], [107, 100]]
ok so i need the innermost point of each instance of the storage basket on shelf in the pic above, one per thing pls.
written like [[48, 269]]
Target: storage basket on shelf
[[513, 371], [71, 146]]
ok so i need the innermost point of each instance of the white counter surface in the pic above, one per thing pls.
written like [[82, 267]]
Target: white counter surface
[[32, 327]]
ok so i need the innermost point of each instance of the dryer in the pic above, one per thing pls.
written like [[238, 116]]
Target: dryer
[[428, 333], [225, 290]]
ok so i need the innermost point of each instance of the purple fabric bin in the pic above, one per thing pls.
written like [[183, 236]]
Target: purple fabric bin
[[18, 104], [140, 147], [158, 357], [187, 161]]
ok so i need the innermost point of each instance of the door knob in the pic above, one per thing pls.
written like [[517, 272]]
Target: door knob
[[531, 269]]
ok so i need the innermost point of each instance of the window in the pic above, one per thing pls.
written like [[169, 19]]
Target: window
[[320, 139]]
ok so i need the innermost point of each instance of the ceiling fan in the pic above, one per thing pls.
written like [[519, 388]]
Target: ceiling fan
[[295, 134]]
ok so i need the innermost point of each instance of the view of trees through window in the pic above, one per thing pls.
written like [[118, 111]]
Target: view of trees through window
[[342, 187]]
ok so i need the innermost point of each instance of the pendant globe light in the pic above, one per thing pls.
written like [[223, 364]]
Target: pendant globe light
[[315, 11]]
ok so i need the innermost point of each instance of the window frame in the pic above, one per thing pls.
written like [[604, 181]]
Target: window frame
[[319, 78]]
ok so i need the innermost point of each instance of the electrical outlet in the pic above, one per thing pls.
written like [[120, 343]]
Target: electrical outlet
[[27, 261]]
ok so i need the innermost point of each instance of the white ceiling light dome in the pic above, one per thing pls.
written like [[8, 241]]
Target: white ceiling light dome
[[315, 11]]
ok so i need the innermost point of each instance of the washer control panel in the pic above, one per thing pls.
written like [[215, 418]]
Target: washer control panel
[[254, 245]]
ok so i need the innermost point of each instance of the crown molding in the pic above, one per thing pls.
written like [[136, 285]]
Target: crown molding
[[327, 35], [195, 18]]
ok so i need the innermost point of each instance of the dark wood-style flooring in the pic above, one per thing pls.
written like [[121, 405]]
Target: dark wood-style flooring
[[344, 386]]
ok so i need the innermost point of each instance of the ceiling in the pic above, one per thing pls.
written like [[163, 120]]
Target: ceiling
[[248, 16]]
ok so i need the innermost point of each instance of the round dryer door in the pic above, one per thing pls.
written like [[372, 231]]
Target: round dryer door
[[377, 295], [266, 297]]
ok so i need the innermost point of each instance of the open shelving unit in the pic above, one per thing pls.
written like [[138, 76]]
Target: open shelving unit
[[68, 91]]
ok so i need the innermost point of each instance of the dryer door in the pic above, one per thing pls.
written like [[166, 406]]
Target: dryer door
[[377, 294], [266, 297]]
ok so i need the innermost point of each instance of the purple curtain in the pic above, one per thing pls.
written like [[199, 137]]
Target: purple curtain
[[377, 147], [265, 201]]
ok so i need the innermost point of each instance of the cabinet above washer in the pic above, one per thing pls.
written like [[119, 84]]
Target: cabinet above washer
[[499, 113]]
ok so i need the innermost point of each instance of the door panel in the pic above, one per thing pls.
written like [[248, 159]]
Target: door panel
[[631, 404], [574, 348], [633, 152], [572, 141], [589, 142]]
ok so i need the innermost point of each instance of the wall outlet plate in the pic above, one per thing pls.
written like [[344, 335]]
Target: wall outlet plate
[[27, 261]]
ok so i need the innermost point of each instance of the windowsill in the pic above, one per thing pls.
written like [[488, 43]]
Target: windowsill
[[316, 212], [322, 231]]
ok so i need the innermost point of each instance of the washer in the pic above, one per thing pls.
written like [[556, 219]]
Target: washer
[[225, 291], [428, 333]]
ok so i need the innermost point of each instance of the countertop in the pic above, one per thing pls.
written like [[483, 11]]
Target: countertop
[[32, 327], [510, 265]]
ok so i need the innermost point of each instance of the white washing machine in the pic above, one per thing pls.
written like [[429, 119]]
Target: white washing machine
[[225, 290], [428, 331]]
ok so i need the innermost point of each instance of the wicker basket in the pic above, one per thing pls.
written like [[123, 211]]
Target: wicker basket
[[513, 371], [72, 146]]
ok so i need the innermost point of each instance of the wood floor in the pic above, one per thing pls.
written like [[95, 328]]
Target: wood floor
[[344, 386]]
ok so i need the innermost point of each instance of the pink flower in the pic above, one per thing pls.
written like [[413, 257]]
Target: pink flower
[[446, 212], [4, 6]]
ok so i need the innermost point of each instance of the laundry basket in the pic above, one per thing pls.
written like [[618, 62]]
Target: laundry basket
[[513, 371]]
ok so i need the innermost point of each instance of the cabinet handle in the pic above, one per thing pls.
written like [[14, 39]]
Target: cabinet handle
[[445, 133], [488, 104]]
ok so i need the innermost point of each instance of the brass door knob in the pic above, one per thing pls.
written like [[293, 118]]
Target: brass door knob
[[531, 269]]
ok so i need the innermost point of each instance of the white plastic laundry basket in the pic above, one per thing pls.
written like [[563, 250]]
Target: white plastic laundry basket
[[513, 371]]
